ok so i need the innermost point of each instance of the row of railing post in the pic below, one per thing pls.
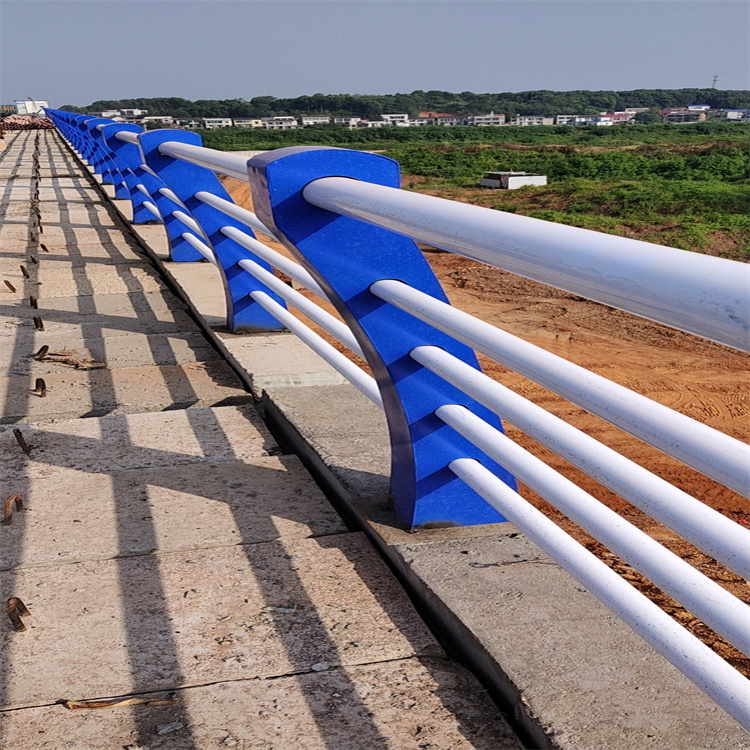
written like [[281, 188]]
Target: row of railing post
[[423, 489]]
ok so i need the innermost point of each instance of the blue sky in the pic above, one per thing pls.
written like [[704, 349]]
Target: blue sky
[[79, 51]]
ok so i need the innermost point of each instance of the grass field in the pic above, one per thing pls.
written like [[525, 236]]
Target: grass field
[[679, 185]]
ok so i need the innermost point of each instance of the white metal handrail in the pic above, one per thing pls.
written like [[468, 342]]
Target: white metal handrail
[[317, 314], [285, 265], [188, 221], [127, 136], [692, 292], [222, 162], [200, 246], [235, 211], [356, 375], [153, 209]]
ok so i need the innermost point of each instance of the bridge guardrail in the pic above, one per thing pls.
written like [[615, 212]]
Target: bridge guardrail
[[341, 215]]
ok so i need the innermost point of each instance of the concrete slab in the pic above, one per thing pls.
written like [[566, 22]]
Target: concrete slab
[[346, 434], [587, 678], [158, 622], [123, 442], [73, 235], [115, 352], [75, 516], [201, 284], [94, 393], [96, 316], [120, 251], [154, 236], [56, 215], [410, 704], [278, 359], [79, 282]]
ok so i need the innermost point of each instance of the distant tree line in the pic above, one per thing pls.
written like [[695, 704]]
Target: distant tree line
[[466, 103]]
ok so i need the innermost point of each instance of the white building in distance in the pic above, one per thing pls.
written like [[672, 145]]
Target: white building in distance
[[30, 107], [511, 180], [490, 120], [214, 123], [401, 120], [315, 120]]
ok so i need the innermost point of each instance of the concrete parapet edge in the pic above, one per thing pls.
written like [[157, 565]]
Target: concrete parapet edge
[[570, 674]]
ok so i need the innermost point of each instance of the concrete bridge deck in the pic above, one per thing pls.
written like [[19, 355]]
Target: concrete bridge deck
[[173, 559], [176, 552]]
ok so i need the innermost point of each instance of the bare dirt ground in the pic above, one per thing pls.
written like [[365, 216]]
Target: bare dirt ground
[[706, 381]]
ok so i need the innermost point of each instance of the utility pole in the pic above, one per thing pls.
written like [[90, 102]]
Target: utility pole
[[713, 84]]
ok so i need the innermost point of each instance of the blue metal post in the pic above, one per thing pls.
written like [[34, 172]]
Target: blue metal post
[[346, 256], [186, 180], [98, 156], [129, 155], [87, 145], [105, 162]]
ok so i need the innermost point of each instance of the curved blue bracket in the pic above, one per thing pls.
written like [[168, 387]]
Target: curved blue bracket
[[186, 179], [101, 161], [128, 155], [88, 146], [346, 256]]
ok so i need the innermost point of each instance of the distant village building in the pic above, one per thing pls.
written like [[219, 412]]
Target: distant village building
[[683, 115], [248, 122], [400, 120], [450, 121], [283, 122], [735, 115], [350, 122], [511, 180], [306, 120], [160, 119], [215, 123], [530, 120], [131, 115], [595, 120], [490, 120], [438, 118]]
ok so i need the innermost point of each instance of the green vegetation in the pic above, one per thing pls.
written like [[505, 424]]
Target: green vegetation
[[693, 196], [726, 161], [372, 106], [678, 185]]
